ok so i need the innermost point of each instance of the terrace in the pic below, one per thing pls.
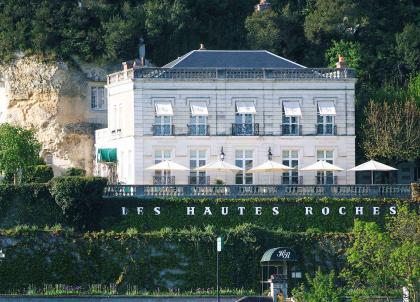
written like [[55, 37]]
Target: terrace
[[232, 74], [242, 191]]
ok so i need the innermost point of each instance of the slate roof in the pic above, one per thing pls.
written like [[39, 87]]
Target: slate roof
[[231, 59]]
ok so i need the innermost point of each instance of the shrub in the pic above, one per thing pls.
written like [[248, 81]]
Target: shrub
[[79, 198], [75, 172], [38, 174]]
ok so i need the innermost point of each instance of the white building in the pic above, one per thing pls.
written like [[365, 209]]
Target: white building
[[243, 101]]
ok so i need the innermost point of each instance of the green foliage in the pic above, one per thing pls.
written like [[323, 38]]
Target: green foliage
[[408, 47], [79, 198], [150, 260], [38, 174], [380, 262], [263, 30], [19, 149], [350, 51], [75, 172], [321, 288], [392, 131]]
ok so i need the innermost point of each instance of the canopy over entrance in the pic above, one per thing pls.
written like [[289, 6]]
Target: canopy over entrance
[[107, 155], [278, 254]]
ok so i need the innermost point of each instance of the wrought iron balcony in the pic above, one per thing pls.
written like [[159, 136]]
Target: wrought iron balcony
[[241, 191], [291, 130], [198, 130], [199, 180], [277, 74], [163, 180], [245, 129], [292, 180], [326, 180], [163, 130], [326, 129]]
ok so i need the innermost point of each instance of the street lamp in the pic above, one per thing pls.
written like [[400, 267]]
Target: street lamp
[[270, 155], [222, 155]]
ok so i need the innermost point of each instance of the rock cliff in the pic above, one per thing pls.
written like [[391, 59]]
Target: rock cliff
[[53, 99]]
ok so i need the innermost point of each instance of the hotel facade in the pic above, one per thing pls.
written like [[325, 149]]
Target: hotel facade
[[245, 102]]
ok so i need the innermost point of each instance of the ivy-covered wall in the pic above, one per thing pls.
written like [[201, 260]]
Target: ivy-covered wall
[[167, 258], [325, 214]]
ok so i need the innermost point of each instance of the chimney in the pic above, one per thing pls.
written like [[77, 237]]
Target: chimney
[[263, 5], [341, 62], [142, 52], [202, 47]]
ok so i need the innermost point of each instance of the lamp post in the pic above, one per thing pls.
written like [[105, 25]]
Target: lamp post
[[222, 155]]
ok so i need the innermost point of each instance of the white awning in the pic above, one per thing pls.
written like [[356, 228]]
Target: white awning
[[199, 108], [245, 107], [164, 108], [326, 108], [292, 108]]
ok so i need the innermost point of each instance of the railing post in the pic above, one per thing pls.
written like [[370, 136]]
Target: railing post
[[140, 191], [280, 191]]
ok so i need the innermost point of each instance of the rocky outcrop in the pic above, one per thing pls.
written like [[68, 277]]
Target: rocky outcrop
[[52, 98]]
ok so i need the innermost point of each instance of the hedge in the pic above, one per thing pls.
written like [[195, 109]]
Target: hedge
[[291, 213], [162, 259]]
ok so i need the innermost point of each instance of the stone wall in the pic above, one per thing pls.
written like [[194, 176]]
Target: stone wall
[[53, 99]]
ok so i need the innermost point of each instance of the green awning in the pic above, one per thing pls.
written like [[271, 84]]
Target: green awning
[[107, 155]]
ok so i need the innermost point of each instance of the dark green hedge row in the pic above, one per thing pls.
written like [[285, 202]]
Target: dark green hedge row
[[72, 201], [286, 214], [167, 258], [77, 202]]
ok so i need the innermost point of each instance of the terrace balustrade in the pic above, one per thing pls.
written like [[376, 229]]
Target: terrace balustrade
[[239, 191]]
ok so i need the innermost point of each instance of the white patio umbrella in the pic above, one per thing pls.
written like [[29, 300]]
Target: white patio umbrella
[[322, 166], [270, 166], [167, 165], [372, 166], [219, 166]]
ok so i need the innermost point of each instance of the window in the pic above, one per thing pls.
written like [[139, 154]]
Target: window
[[198, 125], [163, 119], [244, 119], [197, 159], [162, 177], [325, 118], [291, 159], [324, 178], [290, 122], [163, 125], [244, 159], [97, 98]]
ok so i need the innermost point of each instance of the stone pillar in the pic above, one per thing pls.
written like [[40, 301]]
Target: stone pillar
[[415, 191], [278, 288]]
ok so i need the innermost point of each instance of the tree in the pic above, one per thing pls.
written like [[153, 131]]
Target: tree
[[19, 150], [391, 131], [351, 52], [263, 30], [321, 288], [408, 47], [368, 260]]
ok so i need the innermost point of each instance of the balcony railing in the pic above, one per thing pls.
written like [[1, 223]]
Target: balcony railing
[[278, 74], [235, 191], [163, 180], [292, 180], [326, 179], [291, 130], [326, 129], [199, 180], [245, 129], [163, 130], [198, 130]]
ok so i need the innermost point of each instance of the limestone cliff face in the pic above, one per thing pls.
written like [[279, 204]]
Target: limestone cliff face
[[52, 99]]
